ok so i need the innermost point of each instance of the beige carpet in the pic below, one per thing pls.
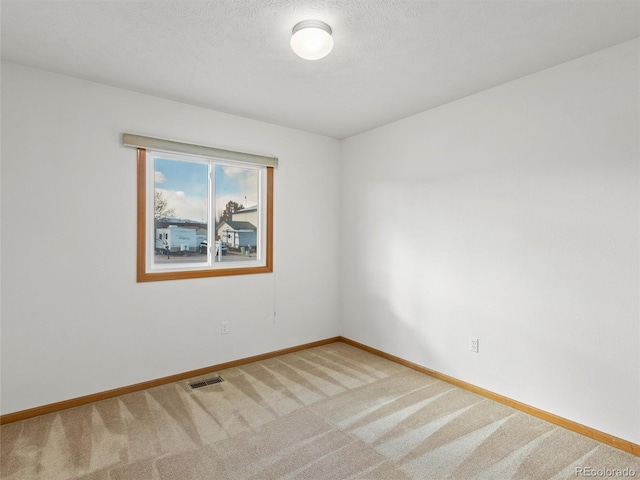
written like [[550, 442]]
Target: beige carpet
[[331, 412]]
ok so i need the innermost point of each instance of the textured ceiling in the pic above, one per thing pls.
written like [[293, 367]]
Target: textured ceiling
[[391, 59]]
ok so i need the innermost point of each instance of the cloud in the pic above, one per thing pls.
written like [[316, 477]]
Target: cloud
[[236, 171], [184, 206], [233, 184], [159, 177], [236, 184]]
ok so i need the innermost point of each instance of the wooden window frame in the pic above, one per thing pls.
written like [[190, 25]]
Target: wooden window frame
[[144, 276]]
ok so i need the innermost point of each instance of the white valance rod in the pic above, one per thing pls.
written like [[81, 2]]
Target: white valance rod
[[163, 145]]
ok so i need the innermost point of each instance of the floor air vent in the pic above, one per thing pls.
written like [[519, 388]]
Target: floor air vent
[[208, 381]]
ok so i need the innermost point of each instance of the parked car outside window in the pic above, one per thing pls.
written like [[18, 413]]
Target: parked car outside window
[[204, 245]]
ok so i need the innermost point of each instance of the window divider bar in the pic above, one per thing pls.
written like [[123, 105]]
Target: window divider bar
[[173, 146]]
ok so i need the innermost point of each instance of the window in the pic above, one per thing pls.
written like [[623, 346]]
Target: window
[[202, 216]]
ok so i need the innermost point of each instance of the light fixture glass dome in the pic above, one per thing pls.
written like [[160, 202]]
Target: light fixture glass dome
[[311, 39]]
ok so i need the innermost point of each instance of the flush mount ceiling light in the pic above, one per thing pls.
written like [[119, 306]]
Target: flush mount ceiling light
[[311, 39]]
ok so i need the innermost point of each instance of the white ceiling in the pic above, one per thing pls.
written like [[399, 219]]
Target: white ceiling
[[391, 59]]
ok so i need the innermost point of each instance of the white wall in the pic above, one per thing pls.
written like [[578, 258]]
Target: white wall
[[511, 215], [74, 320]]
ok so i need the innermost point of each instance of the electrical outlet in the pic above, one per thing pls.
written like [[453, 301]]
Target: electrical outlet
[[224, 328], [473, 344]]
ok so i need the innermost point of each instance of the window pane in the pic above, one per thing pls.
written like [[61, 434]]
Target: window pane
[[237, 197], [181, 192]]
